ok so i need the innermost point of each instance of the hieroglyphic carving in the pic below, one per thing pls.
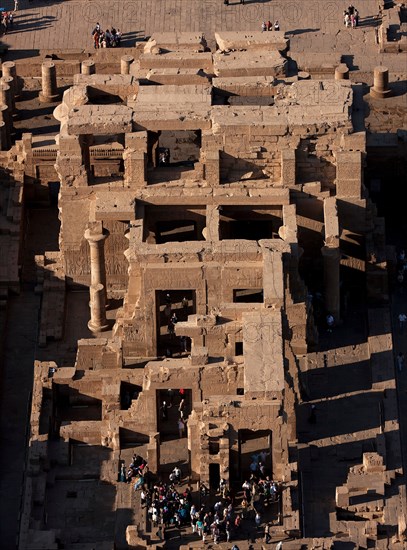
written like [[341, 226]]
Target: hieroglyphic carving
[[76, 263]]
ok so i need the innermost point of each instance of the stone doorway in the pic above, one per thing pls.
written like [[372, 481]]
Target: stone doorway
[[255, 446], [168, 427], [214, 476], [169, 302]]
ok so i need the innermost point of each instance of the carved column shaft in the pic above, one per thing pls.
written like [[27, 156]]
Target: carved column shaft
[[97, 257], [9, 97], [49, 91], [125, 62], [98, 298], [88, 67]]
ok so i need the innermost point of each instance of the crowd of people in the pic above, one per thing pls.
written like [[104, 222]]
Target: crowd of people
[[351, 17], [7, 20], [135, 472], [170, 505], [110, 38], [167, 504], [221, 515]]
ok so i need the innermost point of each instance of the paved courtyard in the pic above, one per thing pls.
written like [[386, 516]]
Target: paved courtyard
[[68, 24]]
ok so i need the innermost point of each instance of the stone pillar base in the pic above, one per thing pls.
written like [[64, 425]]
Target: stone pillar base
[[48, 99], [342, 72], [97, 328], [380, 94]]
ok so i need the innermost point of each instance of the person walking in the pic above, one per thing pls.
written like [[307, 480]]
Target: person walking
[[402, 321], [164, 410], [177, 474], [267, 536], [181, 409], [181, 428], [330, 322], [400, 361], [257, 519], [183, 343], [185, 304]]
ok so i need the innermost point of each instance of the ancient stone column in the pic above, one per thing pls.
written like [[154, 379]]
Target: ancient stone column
[[49, 91], [9, 81], [125, 62], [5, 117], [342, 72], [380, 88], [96, 237], [4, 137], [88, 67], [98, 321], [8, 69], [332, 257], [5, 95]]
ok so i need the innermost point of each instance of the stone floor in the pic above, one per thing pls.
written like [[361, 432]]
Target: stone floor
[[68, 25]]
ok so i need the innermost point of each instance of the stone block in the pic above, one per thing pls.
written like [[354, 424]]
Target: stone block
[[251, 63], [99, 120], [262, 346], [176, 41], [252, 41], [199, 356], [342, 497]]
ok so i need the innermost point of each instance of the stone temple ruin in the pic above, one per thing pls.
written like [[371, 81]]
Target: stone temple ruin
[[257, 225]]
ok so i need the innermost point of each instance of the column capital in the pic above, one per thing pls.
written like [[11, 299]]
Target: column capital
[[96, 233]]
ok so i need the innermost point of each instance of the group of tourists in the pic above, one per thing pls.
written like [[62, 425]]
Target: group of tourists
[[7, 20], [106, 39], [167, 504], [351, 17], [268, 26], [170, 505], [135, 472]]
